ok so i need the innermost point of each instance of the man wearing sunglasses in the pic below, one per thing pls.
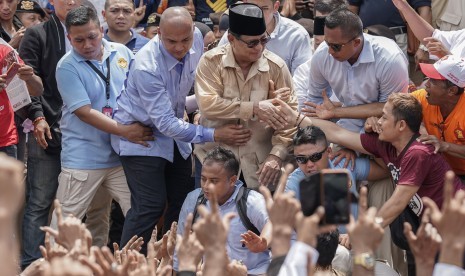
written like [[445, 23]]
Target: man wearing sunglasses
[[311, 152], [288, 39], [358, 67], [233, 85]]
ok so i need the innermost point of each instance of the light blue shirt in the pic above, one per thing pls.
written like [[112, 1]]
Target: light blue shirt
[[155, 95], [381, 69], [257, 263], [84, 146], [360, 172]]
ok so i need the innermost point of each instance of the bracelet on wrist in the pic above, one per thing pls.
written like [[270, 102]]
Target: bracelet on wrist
[[38, 119], [423, 48], [298, 125], [297, 119]]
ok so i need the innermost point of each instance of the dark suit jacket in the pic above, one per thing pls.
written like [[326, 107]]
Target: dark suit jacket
[[41, 48]]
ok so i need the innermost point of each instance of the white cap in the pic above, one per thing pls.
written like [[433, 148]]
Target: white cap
[[449, 67]]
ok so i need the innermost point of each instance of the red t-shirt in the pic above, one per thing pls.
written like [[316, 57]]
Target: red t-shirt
[[417, 165], [8, 132]]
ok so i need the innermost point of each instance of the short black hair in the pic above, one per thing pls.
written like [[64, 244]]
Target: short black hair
[[326, 246], [225, 157], [107, 4], [349, 23], [309, 135], [81, 16], [327, 6]]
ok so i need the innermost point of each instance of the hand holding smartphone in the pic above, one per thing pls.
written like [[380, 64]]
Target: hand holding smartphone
[[328, 188]]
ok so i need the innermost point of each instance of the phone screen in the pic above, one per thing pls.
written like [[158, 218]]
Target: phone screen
[[319, 25], [310, 194], [335, 197]]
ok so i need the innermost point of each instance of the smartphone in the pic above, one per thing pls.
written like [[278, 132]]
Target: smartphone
[[319, 25], [328, 188], [12, 71], [335, 195]]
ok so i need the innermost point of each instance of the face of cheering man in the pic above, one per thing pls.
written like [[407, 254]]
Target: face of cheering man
[[87, 40], [176, 31]]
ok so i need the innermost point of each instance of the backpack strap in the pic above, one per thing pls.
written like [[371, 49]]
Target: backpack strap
[[241, 205], [200, 200]]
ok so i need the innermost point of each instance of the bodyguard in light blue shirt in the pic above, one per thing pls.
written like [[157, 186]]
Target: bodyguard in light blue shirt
[[89, 78], [159, 79]]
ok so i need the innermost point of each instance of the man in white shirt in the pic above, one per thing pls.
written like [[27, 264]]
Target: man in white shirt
[[289, 40]]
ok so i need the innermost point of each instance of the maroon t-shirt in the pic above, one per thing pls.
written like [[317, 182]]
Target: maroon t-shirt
[[417, 165]]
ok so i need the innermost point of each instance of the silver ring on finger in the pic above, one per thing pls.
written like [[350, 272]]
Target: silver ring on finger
[[114, 266]]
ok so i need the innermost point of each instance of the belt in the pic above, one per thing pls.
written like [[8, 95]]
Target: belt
[[398, 30]]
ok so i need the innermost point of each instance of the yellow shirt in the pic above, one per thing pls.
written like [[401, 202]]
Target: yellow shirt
[[451, 130]]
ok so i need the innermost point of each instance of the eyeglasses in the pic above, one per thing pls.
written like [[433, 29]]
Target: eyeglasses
[[338, 47], [302, 159], [251, 44]]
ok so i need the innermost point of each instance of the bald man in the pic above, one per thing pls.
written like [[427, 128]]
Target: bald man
[[159, 80]]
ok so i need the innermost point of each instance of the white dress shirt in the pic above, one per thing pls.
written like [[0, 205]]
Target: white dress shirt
[[380, 70]]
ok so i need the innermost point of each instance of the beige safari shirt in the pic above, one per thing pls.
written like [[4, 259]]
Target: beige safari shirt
[[225, 97]]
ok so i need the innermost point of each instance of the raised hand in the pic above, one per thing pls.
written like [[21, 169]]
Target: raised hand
[[449, 221], [326, 110], [254, 242], [365, 233], [436, 47], [189, 250], [424, 244], [69, 229], [139, 13], [104, 263]]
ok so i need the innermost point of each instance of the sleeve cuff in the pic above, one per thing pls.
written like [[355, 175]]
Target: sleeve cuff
[[280, 151], [447, 269], [246, 110], [208, 134]]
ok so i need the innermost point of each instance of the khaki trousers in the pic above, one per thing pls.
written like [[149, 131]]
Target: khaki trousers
[[90, 192]]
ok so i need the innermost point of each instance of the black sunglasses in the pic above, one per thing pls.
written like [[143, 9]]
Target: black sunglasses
[[302, 159], [251, 44], [338, 47]]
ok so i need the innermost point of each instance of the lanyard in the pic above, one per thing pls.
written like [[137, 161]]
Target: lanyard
[[105, 79]]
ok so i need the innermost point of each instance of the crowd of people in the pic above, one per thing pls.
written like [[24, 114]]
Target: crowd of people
[[178, 137]]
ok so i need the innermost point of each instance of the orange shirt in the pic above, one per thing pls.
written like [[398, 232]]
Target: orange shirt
[[452, 130]]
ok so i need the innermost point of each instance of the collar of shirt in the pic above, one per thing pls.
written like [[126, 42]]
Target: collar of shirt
[[277, 26], [133, 36], [68, 45], [171, 61], [229, 61], [367, 55], [107, 51]]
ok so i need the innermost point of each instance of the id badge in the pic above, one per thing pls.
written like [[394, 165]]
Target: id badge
[[107, 111]]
